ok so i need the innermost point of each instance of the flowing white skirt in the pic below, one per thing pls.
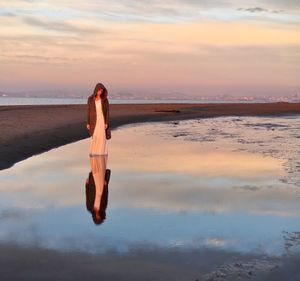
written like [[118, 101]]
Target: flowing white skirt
[[98, 168], [98, 144]]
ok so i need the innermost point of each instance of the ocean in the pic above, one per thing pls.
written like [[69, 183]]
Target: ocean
[[48, 101]]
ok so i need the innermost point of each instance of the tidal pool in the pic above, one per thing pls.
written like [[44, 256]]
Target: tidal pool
[[224, 183]]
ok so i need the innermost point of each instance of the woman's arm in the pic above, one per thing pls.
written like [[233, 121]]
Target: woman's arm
[[88, 120], [107, 114]]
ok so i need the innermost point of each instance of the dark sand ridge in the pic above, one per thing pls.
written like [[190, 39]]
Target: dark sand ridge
[[29, 130]]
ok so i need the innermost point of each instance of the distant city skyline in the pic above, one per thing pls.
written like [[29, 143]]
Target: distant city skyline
[[198, 48], [126, 96]]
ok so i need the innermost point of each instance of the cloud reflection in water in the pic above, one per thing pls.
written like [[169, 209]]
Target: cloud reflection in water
[[197, 192]]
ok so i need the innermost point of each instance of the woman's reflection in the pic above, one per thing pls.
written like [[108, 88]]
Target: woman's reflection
[[96, 188]]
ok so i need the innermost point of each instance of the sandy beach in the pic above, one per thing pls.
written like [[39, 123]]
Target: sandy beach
[[32, 129]]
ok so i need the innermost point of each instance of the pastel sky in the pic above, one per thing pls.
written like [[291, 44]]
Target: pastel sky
[[194, 47]]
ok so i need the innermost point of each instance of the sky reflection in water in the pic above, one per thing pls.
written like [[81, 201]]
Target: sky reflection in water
[[229, 182]]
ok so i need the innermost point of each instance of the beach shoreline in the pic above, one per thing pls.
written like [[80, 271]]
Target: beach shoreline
[[27, 130]]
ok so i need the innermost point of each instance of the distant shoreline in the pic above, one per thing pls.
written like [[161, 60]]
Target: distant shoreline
[[27, 130], [9, 100]]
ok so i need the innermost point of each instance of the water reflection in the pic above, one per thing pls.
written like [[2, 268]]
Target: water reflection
[[222, 193], [96, 188]]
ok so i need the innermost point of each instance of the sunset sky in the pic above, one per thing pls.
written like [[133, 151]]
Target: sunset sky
[[194, 47]]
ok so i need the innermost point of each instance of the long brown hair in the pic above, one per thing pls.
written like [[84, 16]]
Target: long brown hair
[[98, 87]]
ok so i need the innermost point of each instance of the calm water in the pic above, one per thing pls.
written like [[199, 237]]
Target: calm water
[[46, 101], [225, 183]]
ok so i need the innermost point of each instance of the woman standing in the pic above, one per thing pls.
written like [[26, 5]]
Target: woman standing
[[98, 120]]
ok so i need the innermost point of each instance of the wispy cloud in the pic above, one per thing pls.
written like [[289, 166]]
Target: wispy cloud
[[7, 14], [258, 9], [62, 26], [148, 11], [255, 10], [9, 214]]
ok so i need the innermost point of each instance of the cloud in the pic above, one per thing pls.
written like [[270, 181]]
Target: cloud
[[146, 11], [7, 14], [61, 26], [41, 58], [279, 4], [259, 10], [9, 214], [253, 10]]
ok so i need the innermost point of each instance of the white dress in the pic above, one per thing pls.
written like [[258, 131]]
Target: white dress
[[98, 168], [98, 140]]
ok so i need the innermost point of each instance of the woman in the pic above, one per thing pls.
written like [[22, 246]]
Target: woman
[[98, 120]]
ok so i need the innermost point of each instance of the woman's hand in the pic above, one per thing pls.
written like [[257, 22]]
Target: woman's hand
[[106, 126], [88, 126]]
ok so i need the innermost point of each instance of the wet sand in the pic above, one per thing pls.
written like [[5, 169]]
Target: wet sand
[[36, 263], [30, 130]]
